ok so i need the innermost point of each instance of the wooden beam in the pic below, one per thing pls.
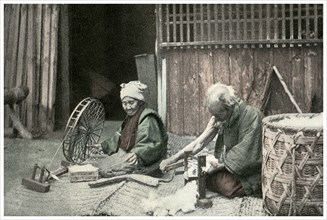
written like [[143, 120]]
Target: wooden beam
[[174, 23], [202, 23], [268, 22], [245, 22], [286, 89], [188, 22], [223, 22], [260, 21], [181, 37], [167, 23], [275, 21], [283, 22], [291, 23], [18, 125], [216, 21], [208, 23]]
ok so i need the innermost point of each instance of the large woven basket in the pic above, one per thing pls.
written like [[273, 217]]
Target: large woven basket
[[292, 167]]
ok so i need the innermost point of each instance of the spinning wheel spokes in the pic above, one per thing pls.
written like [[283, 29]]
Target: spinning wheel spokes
[[83, 128]]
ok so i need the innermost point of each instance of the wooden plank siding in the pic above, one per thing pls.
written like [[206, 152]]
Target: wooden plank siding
[[191, 97], [191, 72], [205, 80], [31, 60], [238, 45]]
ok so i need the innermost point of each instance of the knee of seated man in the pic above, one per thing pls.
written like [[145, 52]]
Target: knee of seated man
[[226, 184]]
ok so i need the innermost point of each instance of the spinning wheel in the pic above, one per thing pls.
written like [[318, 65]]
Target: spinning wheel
[[83, 128]]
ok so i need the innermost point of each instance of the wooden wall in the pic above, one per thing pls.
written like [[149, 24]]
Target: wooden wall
[[31, 60], [190, 72]]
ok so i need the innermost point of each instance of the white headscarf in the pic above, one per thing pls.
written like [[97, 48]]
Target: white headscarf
[[134, 89]]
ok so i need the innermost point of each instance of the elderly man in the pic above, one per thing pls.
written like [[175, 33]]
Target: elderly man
[[237, 170]]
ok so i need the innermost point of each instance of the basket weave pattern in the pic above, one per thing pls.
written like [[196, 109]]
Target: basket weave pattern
[[292, 171]]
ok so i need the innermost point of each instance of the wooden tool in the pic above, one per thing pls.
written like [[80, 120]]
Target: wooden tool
[[42, 183], [202, 201], [39, 185]]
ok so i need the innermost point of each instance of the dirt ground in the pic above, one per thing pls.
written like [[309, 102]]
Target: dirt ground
[[20, 155]]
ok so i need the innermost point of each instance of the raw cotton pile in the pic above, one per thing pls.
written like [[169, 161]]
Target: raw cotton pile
[[308, 122], [184, 199]]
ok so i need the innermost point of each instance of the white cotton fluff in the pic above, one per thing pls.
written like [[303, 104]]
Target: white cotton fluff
[[184, 199], [308, 122]]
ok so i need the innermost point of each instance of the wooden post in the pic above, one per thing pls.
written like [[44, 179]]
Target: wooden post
[[62, 110], [146, 72], [286, 89], [202, 202]]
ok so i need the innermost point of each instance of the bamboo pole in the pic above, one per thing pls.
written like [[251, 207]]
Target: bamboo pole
[[286, 89], [21, 56], [30, 68], [14, 42], [8, 30], [45, 66], [52, 66], [21, 47], [38, 63]]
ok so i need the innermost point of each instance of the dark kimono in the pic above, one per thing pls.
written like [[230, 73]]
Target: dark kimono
[[242, 154], [151, 140]]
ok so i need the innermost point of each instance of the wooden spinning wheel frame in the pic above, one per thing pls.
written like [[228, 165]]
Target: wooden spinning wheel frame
[[84, 127]]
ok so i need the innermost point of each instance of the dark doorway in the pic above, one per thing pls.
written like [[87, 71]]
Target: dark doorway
[[103, 42]]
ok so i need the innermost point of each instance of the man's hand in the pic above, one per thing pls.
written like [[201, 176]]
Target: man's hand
[[163, 165], [216, 165], [95, 148]]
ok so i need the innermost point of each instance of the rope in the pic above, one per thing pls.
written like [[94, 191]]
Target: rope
[[58, 149]]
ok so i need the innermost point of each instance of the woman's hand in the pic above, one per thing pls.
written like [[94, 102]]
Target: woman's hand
[[123, 167], [131, 158]]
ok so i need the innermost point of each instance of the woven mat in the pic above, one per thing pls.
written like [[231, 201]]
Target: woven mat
[[119, 199], [126, 202]]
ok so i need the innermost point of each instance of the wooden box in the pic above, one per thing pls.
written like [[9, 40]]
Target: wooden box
[[83, 173]]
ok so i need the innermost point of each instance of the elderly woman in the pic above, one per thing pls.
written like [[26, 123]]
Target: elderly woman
[[237, 169], [140, 141]]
